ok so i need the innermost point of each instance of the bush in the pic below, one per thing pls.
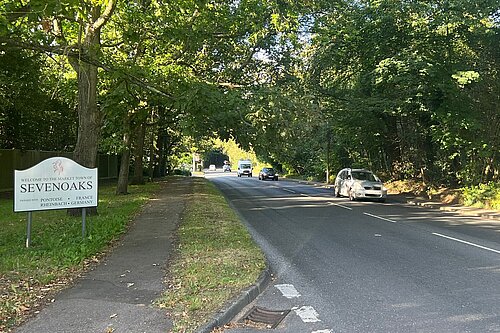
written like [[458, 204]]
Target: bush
[[483, 196], [181, 172]]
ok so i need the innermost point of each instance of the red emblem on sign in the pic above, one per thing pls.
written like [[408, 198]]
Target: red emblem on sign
[[58, 167]]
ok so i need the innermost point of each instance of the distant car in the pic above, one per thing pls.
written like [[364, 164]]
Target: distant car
[[359, 184], [268, 173], [245, 168], [226, 168], [212, 167]]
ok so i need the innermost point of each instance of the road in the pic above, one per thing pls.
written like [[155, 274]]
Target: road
[[344, 266]]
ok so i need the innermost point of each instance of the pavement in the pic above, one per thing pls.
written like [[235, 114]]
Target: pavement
[[117, 295]]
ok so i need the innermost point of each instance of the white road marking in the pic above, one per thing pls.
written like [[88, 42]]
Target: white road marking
[[307, 314], [288, 290], [380, 218], [322, 331], [287, 190], [465, 242], [341, 206]]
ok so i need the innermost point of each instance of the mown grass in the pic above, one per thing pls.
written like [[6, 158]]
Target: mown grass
[[58, 252], [216, 259]]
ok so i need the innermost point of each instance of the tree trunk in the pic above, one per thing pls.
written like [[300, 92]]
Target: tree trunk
[[89, 120], [161, 153], [138, 178], [152, 158], [122, 186]]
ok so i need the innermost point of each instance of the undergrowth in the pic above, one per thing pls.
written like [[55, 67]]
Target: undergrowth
[[482, 196]]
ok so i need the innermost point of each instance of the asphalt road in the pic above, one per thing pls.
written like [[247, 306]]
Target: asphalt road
[[346, 266]]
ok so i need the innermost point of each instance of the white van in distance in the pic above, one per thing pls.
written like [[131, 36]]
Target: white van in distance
[[245, 168]]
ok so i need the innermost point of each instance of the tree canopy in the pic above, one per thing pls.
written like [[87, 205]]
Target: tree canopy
[[407, 88]]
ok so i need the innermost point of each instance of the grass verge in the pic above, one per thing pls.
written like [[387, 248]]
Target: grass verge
[[216, 259], [58, 254]]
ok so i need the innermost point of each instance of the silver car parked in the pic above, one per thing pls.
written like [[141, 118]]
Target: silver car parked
[[359, 184]]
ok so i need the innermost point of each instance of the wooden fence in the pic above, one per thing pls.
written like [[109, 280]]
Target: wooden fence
[[14, 159]]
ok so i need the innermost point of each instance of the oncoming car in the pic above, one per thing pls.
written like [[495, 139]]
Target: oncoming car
[[268, 173], [212, 167], [359, 184]]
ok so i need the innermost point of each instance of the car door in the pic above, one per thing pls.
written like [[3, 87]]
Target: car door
[[341, 182], [346, 182], [338, 183]]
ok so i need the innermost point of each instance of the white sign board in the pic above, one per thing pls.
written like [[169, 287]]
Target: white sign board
[[55, 183]]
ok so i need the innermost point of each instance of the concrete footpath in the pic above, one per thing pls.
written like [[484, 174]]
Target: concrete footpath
[[116, 296]]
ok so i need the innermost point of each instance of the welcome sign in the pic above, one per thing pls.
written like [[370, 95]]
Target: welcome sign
[[55, 183]]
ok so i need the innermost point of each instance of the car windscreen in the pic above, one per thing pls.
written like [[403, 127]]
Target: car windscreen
[[364, 175], [245, 166]]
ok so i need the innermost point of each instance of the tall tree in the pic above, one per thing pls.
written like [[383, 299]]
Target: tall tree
[[74, 31]]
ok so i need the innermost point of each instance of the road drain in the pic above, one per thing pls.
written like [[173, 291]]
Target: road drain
[[262, 317]]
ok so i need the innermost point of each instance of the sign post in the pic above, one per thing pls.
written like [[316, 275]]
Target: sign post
[[84, 222], [55, 183], [28, 229]]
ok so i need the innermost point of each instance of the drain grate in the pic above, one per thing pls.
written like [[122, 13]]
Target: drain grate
[[270, 318]]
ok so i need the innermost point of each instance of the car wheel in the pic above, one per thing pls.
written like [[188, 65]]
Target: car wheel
[[276, 178], [382, 200], [337, 192]]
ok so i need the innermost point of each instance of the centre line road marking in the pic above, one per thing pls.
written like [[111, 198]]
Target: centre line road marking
[[341, 206], [465, 242], [380, 218], [288, 290]]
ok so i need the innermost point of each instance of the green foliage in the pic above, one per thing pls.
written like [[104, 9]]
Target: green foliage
[[409, 89], [33, 115], [182, 172], [483, 196], [404, 88]]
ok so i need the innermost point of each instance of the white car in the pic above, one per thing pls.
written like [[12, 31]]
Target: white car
[[212, 167], [359, 184]]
